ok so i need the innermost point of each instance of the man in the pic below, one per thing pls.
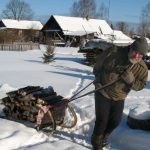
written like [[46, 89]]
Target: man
[[127, 67]]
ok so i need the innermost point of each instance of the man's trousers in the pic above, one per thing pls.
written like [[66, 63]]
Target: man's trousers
[[108, 114]]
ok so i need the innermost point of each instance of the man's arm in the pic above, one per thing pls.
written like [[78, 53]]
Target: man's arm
[[100, 60], [140, 83], [140, 72]]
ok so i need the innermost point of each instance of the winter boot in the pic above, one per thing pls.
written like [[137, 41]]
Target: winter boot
[[105, 140], [96, 141]]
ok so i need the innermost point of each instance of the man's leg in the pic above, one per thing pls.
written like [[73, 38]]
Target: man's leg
[[114, 119], [102, 109], [115, 115]]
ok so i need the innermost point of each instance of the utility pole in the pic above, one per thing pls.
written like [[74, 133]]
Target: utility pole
[[108, 10]]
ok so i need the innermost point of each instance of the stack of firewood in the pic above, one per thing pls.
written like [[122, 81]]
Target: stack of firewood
[[23, 104], [90, 57]]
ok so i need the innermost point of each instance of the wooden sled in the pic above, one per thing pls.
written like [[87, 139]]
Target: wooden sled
[[43, 107]]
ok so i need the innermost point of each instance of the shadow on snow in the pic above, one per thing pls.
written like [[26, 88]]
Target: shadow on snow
[[74, 75]]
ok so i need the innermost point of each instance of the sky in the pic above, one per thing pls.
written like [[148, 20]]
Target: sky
[[124, 10], [67, 75]]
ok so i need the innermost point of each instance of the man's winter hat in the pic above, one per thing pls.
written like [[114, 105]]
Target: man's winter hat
[[140, 45]]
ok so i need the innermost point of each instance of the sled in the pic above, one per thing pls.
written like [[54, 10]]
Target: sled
[[40, 106], [62, 115]]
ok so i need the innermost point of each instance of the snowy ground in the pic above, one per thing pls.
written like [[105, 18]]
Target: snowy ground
[[67, 75]]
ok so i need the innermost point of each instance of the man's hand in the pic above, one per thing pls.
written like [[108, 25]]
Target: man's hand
[[128, 77], [98, 85]]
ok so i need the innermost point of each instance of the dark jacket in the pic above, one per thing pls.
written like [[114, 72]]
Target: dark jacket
[[109, 67]]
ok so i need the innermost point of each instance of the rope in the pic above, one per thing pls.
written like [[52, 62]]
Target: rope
[[81, 90], [100, 88]]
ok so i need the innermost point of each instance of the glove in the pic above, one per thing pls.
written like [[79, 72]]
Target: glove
[[128, 77], [97, 85]]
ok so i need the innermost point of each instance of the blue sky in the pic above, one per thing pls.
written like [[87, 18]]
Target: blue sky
[[120, 10]]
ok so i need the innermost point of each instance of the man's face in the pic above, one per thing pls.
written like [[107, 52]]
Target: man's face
[[135, 56]]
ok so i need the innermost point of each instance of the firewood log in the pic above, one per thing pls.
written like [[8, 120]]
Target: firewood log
[[27, 98], [29, 89], [52, 99]]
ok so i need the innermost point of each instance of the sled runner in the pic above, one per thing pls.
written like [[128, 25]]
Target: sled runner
[[43, 107]]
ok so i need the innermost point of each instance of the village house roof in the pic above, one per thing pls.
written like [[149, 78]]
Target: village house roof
[[73, 25], [21, 24], [82, 26], [120, 37]]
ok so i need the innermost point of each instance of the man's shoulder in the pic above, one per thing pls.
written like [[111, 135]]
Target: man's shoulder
[[118, 49], [110, 51]]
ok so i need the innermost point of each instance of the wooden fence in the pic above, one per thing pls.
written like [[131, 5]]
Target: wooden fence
[[19, 46]]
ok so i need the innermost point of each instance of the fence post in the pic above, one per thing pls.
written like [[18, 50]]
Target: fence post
[[30, 45]]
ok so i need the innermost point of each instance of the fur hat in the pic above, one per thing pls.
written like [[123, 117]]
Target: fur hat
[[140, 45]]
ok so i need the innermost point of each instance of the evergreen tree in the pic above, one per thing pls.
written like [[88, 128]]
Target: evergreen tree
[[49, 54]]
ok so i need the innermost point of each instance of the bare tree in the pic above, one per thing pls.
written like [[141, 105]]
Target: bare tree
[[84, 8], [131, 31], [144, 26], [122, 26], [75, 10], [102, 12], [18, 10]]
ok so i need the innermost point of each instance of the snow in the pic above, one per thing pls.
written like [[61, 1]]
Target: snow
[[67, 75], [22, 24], [82, 25], [120, 35], [121, 38], [141, 112], [74, 25]]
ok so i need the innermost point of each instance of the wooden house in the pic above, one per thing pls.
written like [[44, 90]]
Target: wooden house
[[64, 29], [19, 31], [67, 30]]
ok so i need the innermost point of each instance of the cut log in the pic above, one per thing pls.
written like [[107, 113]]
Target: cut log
[[23, 104]]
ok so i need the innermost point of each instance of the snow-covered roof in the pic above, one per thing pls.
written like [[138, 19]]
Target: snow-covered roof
[[82, 26], [100, 26], [120, 35], [148, 40], [121, 39], [22, 24]]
